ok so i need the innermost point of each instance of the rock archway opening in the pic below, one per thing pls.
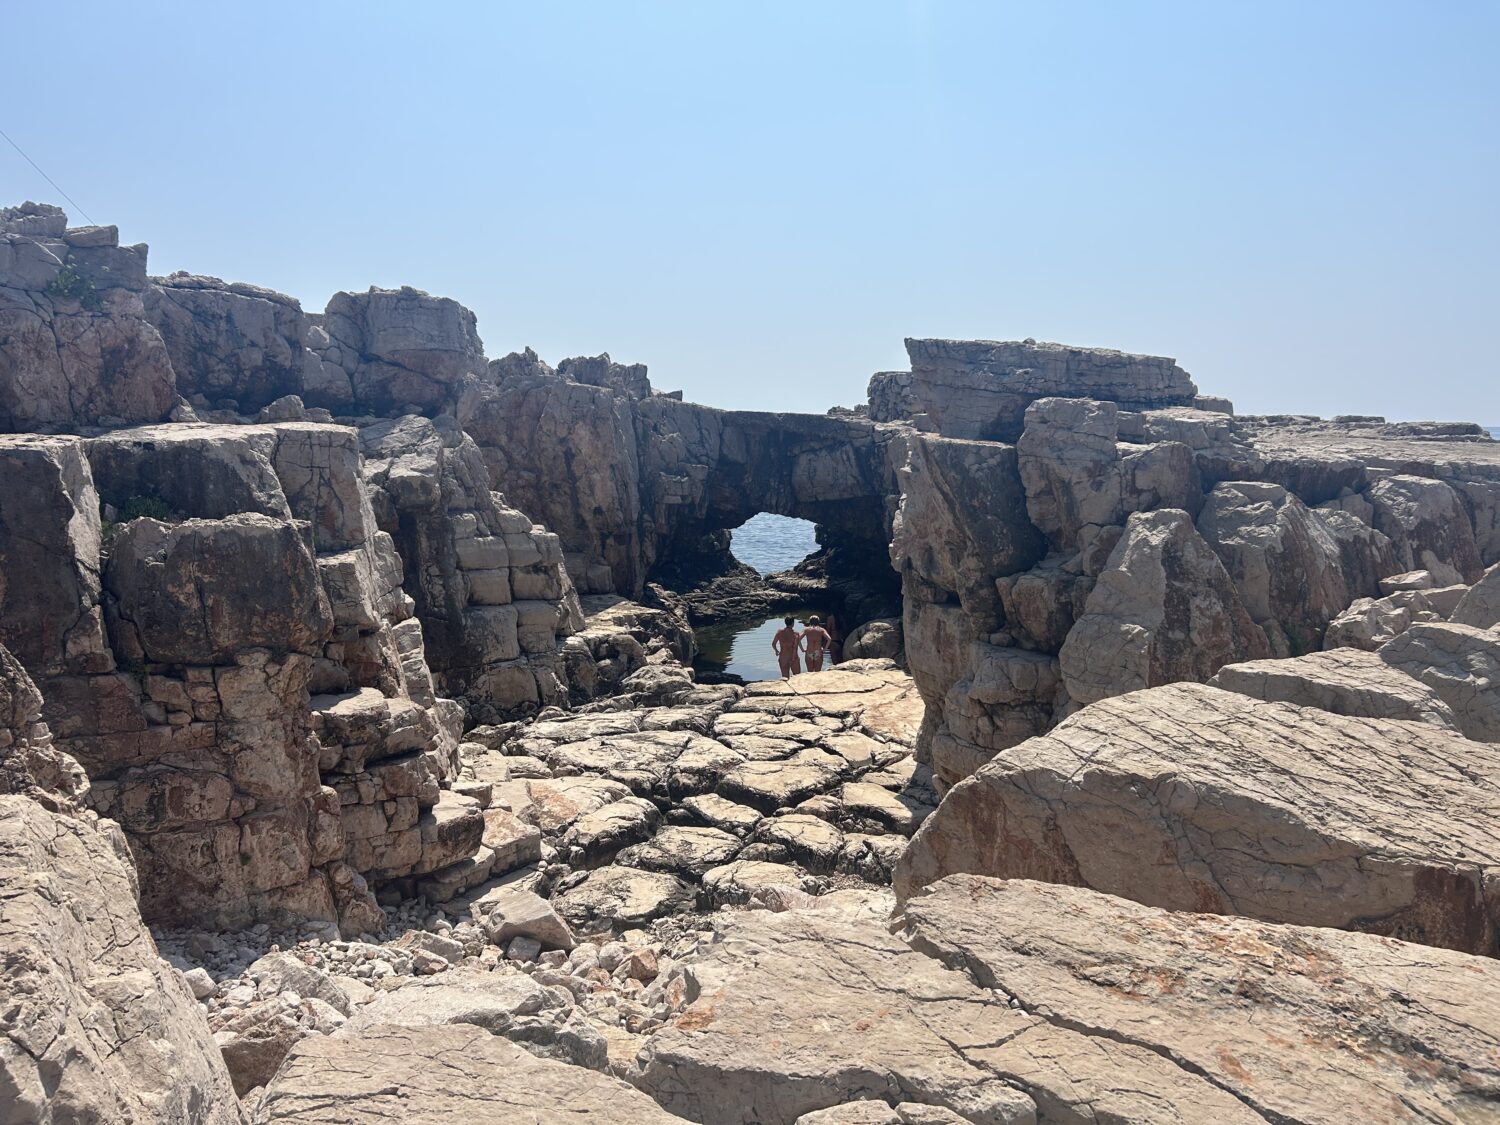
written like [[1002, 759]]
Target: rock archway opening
[[771, 544]]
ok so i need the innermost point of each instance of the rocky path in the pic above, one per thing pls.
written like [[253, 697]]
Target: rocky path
[[619, 836]]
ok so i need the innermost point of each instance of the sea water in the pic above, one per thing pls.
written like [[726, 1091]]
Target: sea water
[[772, 544], [743, 648]]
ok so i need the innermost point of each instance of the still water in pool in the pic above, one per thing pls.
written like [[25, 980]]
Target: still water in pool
[[743, 648]]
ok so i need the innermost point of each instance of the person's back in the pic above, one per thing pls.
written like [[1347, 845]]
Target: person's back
[[815, 641], [784, 644]]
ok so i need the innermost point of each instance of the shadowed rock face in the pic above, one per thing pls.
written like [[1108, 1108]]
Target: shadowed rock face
[[624, 476]]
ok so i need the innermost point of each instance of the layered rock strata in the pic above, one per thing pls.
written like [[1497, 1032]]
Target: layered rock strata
[[1192, 798], [238, 670]]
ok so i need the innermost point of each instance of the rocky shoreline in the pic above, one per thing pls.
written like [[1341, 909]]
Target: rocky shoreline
[[352, 766]]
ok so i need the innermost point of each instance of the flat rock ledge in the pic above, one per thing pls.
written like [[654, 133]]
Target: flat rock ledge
[[438, 1075]]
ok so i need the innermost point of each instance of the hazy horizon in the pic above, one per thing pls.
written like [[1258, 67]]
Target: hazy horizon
[[1297, 205]]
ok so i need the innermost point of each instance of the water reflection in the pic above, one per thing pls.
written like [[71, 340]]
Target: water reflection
[[743, 648]]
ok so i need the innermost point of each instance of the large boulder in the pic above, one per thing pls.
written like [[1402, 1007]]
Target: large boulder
[[1480, 607], [1192, 798], [1427, 521], [201, 591], [1283, 559], [434, 1075], [1163, 609], [403, 350], [95, 1026], [803, 1010], [1299, 1024], [232, 345], [1461, 664], [1081, 480]]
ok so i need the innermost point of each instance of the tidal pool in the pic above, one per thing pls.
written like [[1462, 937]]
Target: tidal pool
[[743, 648]]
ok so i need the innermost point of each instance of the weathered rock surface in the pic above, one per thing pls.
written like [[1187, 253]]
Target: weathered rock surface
[[1480, 607], [802, 1011], [1296, 1024], [1192, 798], [95, 1026], [1345, 681], [429, 1075], [78, 349], [981, 388], [1163, 609], [1462, 665]]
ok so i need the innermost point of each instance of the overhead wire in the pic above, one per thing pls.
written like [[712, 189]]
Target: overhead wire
[[48, 178]]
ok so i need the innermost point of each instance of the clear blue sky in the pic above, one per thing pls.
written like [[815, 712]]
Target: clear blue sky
[[1297, 200]]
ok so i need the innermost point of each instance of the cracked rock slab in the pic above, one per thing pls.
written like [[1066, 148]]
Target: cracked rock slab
[[1346, 681], [802, 1011], [1297, 1024], [1192, 798], [437, 1075]]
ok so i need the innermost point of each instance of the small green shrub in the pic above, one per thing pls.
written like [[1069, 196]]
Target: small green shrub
[[138, 506], [72, 284]]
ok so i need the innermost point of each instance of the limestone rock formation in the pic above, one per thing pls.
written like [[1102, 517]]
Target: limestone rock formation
[[489, 586], [231, 714], [430, 1075], [96, 1027], [802, 1011], [1192, 798], [78, 347], [1295, 1023], [1163, 609], [981, 388], [1345, 681], [1282, 558], [404, 351], [1461, 665], [1480, 607]]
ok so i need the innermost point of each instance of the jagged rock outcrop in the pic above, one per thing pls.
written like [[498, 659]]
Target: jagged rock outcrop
[[1461, 665], [403, 350], [78, 347], [238, 347], [1480, 606], [495, 601], [1163, 609], [981, 388], [1283, 560], [1294, 1023]]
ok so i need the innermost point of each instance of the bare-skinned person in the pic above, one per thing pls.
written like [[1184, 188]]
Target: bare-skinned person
[[835, 640], [815, 642], [785, 644]]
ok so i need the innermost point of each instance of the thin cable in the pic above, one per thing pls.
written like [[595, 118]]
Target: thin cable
[[48, 178]]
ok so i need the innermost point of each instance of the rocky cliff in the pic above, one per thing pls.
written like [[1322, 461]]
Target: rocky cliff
[[295, 668]]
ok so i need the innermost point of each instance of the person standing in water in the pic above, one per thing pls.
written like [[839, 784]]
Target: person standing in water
[[815, 640], [784, 645]]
